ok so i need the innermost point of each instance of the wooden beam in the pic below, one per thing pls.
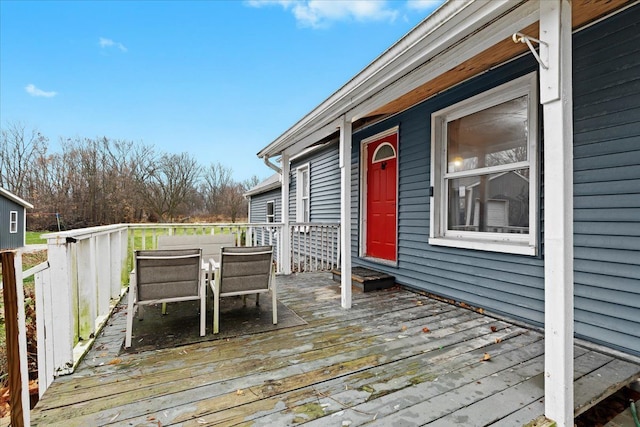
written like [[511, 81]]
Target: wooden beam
[[285, 245], [555, 31]]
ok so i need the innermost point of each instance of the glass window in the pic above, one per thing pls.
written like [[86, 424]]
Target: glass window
[[13, 222], [484, 171], [302, 194], [271, 211], [384, 151]]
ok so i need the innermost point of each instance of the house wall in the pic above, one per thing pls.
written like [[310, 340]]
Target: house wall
[[324, 184], [312, 244], [607, 181], [258, 214], [11, 240], [607, 197], [258, 205]]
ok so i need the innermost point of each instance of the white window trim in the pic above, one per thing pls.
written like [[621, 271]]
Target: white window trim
[[13, 222], [526, 244], [273, 216], [364, 146], [299, 211]]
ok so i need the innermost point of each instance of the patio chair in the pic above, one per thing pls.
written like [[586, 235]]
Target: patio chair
[[162, 276], [244, 271]]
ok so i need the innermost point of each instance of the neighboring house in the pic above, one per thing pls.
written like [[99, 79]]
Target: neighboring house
[[474, 170], [13, 220]]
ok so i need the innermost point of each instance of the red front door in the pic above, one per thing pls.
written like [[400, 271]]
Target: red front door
[[382, 188]]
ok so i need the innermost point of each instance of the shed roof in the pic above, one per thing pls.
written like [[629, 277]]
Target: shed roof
[[7, 194]]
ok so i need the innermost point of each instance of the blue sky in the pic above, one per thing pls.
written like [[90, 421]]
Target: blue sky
[[217, 79]]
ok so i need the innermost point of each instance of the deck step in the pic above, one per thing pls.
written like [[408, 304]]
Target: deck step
[[367, 279]]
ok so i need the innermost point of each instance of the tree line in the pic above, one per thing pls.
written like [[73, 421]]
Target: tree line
[[107, 181]]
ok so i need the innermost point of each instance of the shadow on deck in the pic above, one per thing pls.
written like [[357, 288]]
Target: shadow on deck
[[395, 358]]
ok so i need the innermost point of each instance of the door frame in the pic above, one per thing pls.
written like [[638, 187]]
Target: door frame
[[364, 163]]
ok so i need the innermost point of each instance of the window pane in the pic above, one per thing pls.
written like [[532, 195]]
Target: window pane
[[305, 210], [305, 183], [384, 151], [491, 137], [496, 203]]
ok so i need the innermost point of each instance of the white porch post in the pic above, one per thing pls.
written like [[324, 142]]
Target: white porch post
[[345, 212], [557, 99], [285, 246]]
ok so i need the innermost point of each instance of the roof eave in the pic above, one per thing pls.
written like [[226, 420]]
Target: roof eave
[[394, 63], [15, 198]]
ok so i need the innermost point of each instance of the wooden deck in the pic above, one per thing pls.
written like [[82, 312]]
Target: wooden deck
[[396, 358]]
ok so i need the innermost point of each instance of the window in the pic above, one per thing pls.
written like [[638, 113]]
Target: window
[[302, 194], [484, 172], [13, 222], [271, 211]]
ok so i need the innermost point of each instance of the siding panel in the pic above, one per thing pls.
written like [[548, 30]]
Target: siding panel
[[606, 205]]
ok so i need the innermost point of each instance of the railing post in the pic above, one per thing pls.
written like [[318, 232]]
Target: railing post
[[115, 264], [44, 320], [61, 331], [102, 263], [86, 287]]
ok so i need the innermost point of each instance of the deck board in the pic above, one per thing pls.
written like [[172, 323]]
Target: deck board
[[372, 363]]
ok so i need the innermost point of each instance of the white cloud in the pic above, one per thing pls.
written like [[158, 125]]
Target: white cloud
[[422, 5], [34, 91], [107, 43], [320, 13]]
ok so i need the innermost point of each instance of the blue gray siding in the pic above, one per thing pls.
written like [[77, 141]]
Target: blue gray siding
[[11, 240], [324, 185], [324, 207], [607, 197], [607, 181], [258, 206], [258, 214]]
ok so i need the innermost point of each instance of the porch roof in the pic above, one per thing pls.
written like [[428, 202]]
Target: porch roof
[[396, 356], [456, 42]]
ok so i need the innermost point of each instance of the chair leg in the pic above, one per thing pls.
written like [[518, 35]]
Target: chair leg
[[203, 314], [257, 300], [216, 313], [274, 303], [164, 308]]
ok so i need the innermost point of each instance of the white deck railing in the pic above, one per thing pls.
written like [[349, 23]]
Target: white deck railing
[[314, 246], [87, 273]]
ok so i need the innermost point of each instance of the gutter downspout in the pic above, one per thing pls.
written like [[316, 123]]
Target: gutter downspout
[[271, 165]]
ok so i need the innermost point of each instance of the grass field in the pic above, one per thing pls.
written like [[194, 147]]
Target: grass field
[[33, 237]]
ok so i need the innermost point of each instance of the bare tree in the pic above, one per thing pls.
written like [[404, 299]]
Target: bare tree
[[235, 205], [19, 149], [217, 180], [171, 189]]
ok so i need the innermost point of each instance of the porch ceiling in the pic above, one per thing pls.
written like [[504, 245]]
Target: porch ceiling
[[584, 12]]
